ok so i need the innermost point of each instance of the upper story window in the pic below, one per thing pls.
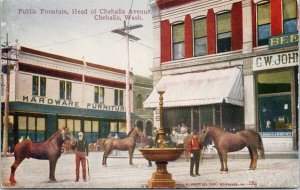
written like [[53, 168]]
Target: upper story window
[[289, 16], [200, 37], [263, 23], [119, 97], [139, 101], [65, 89], [99, 95], [38, 86], [224, 32], [178, 41]]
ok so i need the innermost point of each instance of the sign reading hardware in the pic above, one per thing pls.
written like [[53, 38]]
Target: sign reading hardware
[[70, 103], [275, 61], [284, 40]]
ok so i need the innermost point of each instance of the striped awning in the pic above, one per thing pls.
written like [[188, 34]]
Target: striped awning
[[201, 88]]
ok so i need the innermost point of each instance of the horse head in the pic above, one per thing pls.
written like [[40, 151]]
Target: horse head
[[66, 135], [204, 136], [136, 132]]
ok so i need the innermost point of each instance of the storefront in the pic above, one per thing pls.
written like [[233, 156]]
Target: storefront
[[39, 122], [213, 97], [276, 84]]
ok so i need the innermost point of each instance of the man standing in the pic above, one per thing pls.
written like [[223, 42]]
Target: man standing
[[150, 145], [81, 152], [195, 151]]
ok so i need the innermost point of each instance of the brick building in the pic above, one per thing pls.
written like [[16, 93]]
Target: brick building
[[233, 64]]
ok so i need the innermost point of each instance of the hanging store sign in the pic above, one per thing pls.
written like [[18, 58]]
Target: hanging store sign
[[275, 61], [284, 40], [70, 103]]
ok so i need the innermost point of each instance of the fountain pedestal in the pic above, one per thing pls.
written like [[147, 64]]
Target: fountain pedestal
[[161, 178]]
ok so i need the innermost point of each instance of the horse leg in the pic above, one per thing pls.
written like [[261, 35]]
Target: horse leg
[[16, 163], [52, 169], [251, 156], [103, 159], [255, 156], [221, 161], [130, 152], [224, 156]]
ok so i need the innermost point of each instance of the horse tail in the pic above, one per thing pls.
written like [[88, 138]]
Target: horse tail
[[261, 147]]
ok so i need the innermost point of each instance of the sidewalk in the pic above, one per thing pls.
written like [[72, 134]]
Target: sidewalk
[[213, 155]]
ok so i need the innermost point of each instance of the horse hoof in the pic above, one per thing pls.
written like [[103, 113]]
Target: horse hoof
[[12, 182]]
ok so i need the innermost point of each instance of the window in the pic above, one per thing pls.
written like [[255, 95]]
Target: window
[[69, 90], [263, 23], [91, 131], [139, 101], [113, 126], [289, 16], [96, 94], [62, 89], [274, 101], [224, 32], [35, 85], [277, 82], [43, 86], [119, 97], [178, 41], [32, 126], [99, 95], [200, 37], [38, 86], [116, 97], [74, 125], [122, 127], [65, 89]]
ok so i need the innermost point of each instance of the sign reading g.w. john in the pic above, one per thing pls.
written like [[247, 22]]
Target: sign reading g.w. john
[[275, 61]]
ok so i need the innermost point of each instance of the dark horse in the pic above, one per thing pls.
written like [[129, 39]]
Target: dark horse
[[48, 150], [125, 144], [228, 142]]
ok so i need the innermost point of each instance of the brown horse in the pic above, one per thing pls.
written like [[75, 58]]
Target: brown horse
[[125, 144], [228, 142], [48, 150]]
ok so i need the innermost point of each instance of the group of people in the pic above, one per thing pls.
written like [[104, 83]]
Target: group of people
[[81, 154]]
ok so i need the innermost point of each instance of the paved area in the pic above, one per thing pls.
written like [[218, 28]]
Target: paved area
[[271, 173]]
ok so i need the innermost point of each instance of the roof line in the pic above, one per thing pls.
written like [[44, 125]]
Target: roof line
[[71, 60]]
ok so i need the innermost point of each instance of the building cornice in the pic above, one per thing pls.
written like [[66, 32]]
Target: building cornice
[[220, 60]]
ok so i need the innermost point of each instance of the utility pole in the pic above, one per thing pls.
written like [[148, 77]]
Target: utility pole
[[125, 32], [9, 51]]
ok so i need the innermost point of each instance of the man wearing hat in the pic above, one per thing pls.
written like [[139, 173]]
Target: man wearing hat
[[81, 152]]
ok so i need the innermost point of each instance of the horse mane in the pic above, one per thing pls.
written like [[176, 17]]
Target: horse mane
[[52, 137], [128, 135], [217, 128]]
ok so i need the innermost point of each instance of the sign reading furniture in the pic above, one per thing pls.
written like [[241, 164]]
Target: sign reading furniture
[[275, 61]]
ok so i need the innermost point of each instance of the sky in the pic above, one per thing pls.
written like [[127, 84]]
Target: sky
[[78, 35]]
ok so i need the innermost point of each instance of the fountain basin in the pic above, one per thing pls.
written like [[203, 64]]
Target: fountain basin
[[161, 154]]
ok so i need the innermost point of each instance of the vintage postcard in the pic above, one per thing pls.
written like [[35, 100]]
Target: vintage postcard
[[149, 94]]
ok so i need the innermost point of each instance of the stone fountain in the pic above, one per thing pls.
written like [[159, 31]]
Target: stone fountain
[[161, 178]]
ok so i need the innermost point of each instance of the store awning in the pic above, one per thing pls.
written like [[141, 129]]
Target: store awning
[[201, 88]]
